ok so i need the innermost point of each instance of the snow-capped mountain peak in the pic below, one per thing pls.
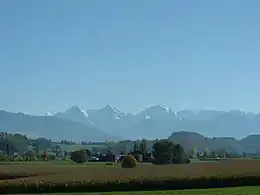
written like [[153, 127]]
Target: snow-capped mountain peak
[[48, 114], [159, 119], [84, 112], [165, 108], [158, 112], [76, 114], [77, 111], [115, 113], [177, 116], [147, 117], [112, 109], [158, 108]]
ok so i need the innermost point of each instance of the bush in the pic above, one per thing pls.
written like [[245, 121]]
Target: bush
[[187, 161], [129, 162], [2, 158], [79, 156]]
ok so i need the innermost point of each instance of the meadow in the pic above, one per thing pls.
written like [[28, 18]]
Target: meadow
[[65, 172]]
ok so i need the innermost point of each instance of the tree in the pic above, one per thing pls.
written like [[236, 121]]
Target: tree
[[110, 157], [88, 153], [163, 151], [179, 155], [166, 152], [221, 153], [8, 152], [129, 162], [136, 148], [65, 155], [45, 155], [143, 146], [79, 156], [10, 143], [206, 153], [30, 155], [213, 154], [194, 152]]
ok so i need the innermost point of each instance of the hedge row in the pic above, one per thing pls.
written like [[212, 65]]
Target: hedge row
[[135, 184]]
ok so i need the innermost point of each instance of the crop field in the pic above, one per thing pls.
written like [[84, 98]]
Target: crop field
[[64, 172], [55, 174]]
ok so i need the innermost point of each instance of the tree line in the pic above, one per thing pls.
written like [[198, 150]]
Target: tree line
[[165, 150]]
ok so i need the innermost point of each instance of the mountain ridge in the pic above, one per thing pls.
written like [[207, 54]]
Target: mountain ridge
[[205, 128], [156, 121], [160, 121], [163, 106], [50, 127]]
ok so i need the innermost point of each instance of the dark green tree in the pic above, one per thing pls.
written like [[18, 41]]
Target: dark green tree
[[79, 156], [163, 151], [136, 148], [88, 152], [166, 152], [179, 155], [143, 147]]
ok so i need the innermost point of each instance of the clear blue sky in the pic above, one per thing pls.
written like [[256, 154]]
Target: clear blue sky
[[130, 54]]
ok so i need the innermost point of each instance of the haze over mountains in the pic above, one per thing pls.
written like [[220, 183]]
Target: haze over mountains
[[50, 127], [109, 123], [159, 121]]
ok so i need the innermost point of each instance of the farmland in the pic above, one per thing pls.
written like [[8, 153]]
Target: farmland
[[223, 191], [67, 172]]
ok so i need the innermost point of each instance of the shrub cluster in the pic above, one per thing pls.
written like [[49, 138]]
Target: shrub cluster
[[129, 185], [129, 162], [79, 156]]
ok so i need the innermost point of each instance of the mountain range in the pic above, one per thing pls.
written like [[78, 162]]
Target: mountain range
[[109, 123], [50, 127], [159, 121]]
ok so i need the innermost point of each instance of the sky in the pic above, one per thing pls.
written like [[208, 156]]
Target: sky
[[129, 54]]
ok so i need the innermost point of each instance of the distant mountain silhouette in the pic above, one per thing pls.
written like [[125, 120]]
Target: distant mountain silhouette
[[50, 127], [159, 121], [156, 121]]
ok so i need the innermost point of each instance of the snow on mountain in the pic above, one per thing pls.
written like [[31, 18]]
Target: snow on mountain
[[177, 116], [76, 114], [160, 121], [108, 111], [84, 112], [147, 117], [57, 128], [48, 114], [165, 108], [158, 112]]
